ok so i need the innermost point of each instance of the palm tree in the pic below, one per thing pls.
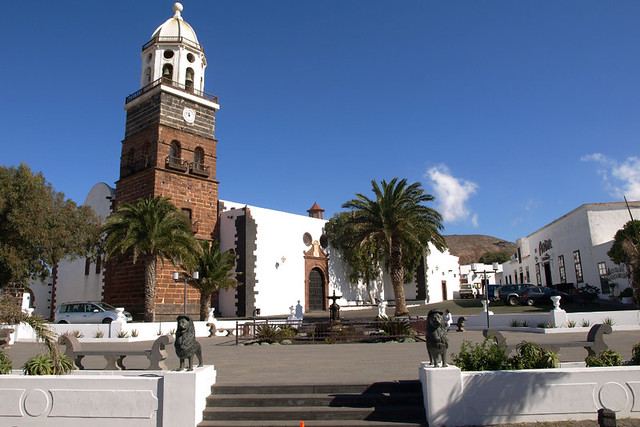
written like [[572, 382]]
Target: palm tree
[[149, 230], [399, 226], [214, 268]]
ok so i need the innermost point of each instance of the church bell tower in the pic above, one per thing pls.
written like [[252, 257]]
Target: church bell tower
[[169, 150]]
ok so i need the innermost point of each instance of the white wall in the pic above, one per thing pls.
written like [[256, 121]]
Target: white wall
[[72, 283], [589, 229]]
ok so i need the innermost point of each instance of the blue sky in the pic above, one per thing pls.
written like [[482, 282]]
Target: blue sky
[[511, 113]]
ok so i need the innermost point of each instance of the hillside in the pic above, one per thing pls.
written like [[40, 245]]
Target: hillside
[[471, 247]]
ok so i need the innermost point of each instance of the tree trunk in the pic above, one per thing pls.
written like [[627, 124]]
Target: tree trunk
[[397, 277], [150, 289], [205, 305]]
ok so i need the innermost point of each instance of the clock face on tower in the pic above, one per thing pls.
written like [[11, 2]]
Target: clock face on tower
[[189, 115]]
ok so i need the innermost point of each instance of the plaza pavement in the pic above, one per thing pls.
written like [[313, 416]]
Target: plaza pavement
[[331, 363]]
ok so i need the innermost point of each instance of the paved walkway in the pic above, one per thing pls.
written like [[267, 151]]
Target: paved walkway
[[329, 363]]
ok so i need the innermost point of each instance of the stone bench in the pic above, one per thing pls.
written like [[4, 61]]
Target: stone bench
[[5, 336], [594, 344], [114, 354]]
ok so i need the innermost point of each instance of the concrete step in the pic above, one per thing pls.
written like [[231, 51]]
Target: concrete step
[[332, 400], [394, 403], [398, 413], [309, 423]]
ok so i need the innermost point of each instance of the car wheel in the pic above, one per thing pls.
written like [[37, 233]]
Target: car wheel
[[530, 301], [107, 320], [513, 300], [62, 322]]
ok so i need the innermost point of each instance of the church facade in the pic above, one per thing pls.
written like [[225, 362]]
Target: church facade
[[169, 149]]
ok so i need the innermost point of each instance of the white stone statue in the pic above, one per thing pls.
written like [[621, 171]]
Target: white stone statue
[[382, 309]]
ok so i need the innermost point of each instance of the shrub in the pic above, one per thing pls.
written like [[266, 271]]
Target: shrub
[[588, 293], [123, 334], [608, 357], [98, 334], [134, 333], [531, 356], [43, 364], [585, 323], [396, 327], [635, 354], [571, 324], [608, 321], [272, 333], [514, 323], [5, 364], [487, 356], [626, 293], [524, 323]]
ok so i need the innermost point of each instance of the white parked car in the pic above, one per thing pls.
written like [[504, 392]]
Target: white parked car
[[87, 312]]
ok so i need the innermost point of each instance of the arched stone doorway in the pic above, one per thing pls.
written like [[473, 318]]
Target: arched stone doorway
[[316, 280]]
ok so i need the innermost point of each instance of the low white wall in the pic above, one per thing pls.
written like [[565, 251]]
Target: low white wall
[[557, 318], [106, 398], [145, 331], [455, 398]]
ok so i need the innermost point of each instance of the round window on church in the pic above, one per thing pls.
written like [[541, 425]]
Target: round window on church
[[191, 57], [324, 241], [306, 238], [168, 54]]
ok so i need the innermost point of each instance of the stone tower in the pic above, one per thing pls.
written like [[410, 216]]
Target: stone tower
[[169, 150]]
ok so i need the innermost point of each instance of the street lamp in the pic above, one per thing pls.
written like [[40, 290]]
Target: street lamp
[[176, 277], [474, 268]]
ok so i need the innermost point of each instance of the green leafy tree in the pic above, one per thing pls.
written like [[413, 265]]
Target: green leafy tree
[[150, 230], [362, 257], [626, 251], [215, 273], [38, 227], [491, 257], [397, 227]]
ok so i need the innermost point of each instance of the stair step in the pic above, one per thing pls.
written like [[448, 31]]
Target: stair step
[[309, 423], [383, 387], [317, 399], [399, 413]]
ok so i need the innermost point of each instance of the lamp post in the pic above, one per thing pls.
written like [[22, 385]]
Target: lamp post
[[176, 277], [474, 268]]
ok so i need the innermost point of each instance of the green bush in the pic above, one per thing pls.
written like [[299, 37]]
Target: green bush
[[608, 357], [396, 327], [43, 364], [635, 354], [531, 356], [5, 364], [487, 356], [272, 333], [626, 293]]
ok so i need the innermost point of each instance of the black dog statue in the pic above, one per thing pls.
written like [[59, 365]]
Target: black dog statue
[[437, 338], [186, 345]]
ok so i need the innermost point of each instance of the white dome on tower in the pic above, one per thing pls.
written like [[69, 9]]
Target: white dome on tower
[[174, 55], [176, 27]]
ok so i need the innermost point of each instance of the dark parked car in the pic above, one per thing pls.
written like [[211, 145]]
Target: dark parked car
[[510, 294], [542, 295]]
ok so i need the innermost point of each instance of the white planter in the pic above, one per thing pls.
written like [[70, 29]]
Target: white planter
[[106, 398], [453, 397]]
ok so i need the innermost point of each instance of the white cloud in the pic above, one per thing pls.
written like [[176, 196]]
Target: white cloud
[[621, 179], [452, 195]]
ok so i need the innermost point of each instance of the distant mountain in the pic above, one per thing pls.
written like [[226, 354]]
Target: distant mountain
[[472, 246]]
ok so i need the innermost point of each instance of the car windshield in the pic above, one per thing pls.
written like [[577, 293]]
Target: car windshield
[[105, 306]]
